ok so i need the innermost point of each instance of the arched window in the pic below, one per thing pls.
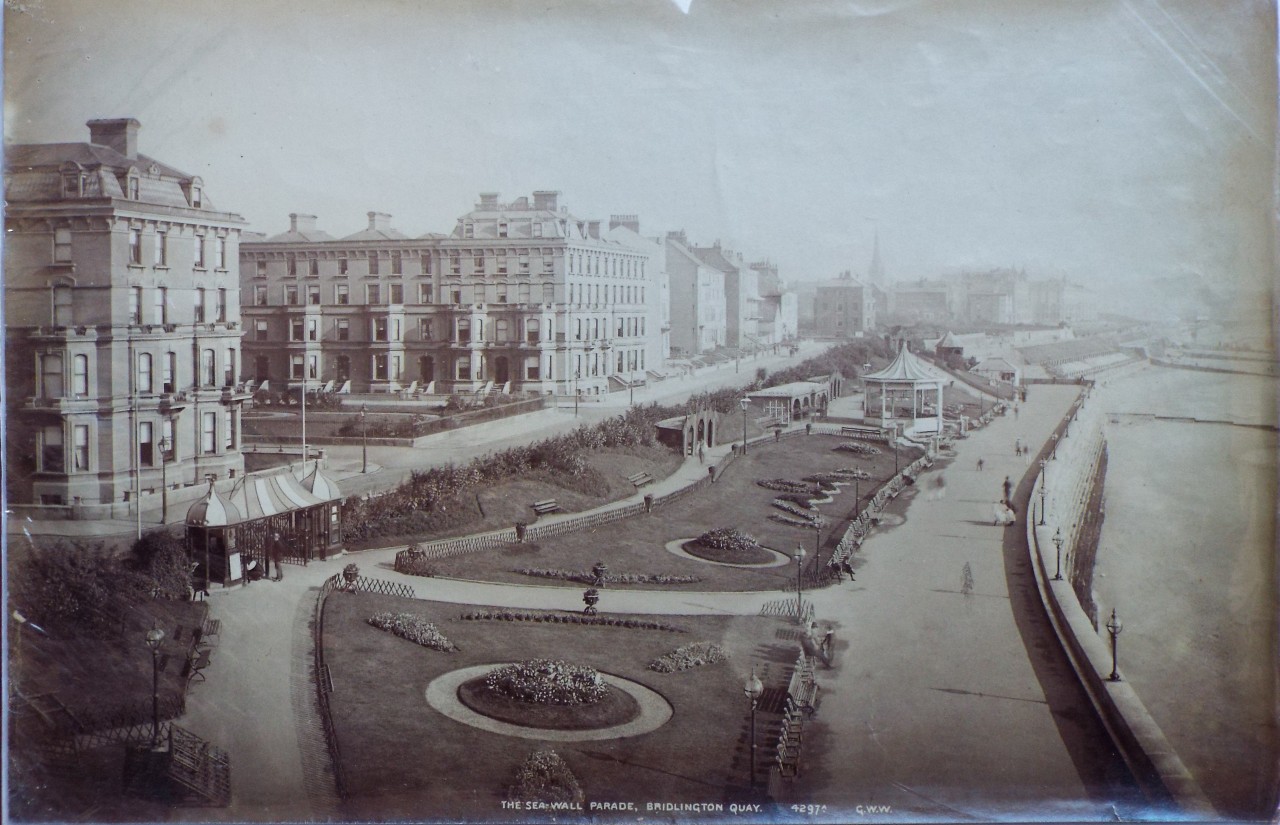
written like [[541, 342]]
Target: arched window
[[80, 376]]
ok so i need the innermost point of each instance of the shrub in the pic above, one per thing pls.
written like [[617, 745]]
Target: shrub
[[161, 558], [858, 448], [544, 777], [413, 627], [548, 682], [414, 561], [77, 591], [689, 656]]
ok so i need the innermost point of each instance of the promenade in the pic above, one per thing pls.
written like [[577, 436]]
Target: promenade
[[941, 703]]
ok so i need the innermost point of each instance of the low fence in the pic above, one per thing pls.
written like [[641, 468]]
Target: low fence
[[323, 678], [1079, 445]]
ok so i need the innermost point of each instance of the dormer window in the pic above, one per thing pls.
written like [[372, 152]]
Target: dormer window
[[134, 188], [196, 196], [502, 229], [537, 229], [71, 185], [468, 230]]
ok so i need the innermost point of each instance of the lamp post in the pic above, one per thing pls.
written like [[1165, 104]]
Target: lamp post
[[895, 448], [753, 688], [857, 499], [799, 586], [1057, 541], [1054, 439], [364, 438], [164, 484], [744, 402], [1114, 626], [1043, 476], [576, 393], [817, 542], [154, 637]]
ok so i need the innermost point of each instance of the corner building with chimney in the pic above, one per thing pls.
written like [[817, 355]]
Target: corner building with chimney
[[122, 320], [519, 296]]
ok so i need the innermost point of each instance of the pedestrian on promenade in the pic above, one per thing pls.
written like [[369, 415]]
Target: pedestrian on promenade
[[939, 488], [847, 568], [1008, 489], [1017, 446], [702, 454], [1015, 412], [275, 551], [828, 642], [980, 463]]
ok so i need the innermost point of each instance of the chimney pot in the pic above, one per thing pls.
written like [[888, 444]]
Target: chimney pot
[[593, 229], [545, 199], [379, 220], [489, 200], [120, 134], [301, 223]]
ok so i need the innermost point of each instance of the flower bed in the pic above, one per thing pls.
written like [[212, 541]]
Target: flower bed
[[689, 656], [544, 777], [791, 520], [587, 577], [858, 448], [728, 545], [808, 513], [566, 618], [784, 485], [547, 682], [413, 627]]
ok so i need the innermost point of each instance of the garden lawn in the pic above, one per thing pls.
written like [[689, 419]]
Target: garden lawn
[[638, 544], [490, 508], [403, 759]]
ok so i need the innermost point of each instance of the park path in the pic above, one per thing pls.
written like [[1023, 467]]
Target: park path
[[949, 696]]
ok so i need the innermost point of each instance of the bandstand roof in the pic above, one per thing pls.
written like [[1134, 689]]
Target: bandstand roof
[[321, 486], [214, 510], [260, 496], [909, 368]]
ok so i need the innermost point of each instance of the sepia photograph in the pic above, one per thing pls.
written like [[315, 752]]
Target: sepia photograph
[[640, 411]]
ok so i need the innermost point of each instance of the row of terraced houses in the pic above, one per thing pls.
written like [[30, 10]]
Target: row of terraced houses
[[140, 319]]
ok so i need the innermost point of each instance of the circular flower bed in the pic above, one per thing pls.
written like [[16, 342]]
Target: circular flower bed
[[548, 682], [547, 693], [727, 545]]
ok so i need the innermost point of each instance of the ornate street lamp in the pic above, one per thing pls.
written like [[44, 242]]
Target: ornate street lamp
[[364, 438], [164, 483], [1057, 540], [1054, 439], [799, 586], [1114, 626], [154, 637], [744, 402], [753, 688], [1043, 476], [577, 395]]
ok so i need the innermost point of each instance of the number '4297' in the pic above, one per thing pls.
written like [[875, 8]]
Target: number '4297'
[[811, 810]]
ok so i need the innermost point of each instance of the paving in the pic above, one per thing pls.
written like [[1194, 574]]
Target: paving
[[948, 694]]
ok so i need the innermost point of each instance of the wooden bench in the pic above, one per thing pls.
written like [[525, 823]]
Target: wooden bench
[[802, 690], [196, 664], [546, 506], [210, 633], [640, 479]]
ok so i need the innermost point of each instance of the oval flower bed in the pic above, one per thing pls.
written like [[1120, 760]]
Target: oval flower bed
[[549, 693], [729, 546]]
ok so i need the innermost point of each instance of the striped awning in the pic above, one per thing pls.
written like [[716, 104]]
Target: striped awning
[[262, 496]]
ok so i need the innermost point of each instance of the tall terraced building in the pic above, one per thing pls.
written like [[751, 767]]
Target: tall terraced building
[[122, 314], [519, 295]]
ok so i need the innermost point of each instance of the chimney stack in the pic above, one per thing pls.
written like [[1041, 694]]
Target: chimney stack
[[593, 229], [489, 201], [545, 199], [120, 134], [631, 222], [379, 221], [301, 223]]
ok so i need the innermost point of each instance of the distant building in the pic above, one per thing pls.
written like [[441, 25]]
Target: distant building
[[741, 292], [122, 324], [921, 301], [520, 295], [625, 229], [779, 309], [844, 308], [699, 320]]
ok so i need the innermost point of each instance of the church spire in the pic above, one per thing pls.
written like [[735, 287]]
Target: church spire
[[875, 274]]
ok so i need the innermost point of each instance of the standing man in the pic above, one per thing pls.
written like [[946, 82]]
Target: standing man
[[1008, 489], [275, 551], [702, 454]]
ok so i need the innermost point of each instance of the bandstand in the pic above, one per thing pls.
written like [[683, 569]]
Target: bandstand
[[906, 396]]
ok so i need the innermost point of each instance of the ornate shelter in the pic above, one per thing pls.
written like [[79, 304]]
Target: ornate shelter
[[907, 394]]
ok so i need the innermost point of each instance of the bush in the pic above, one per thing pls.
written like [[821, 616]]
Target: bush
[[415, 562], [413, 627], [161, 558], [77, 591], [548, 682], [544, 777], [689, 656], [858, 448]]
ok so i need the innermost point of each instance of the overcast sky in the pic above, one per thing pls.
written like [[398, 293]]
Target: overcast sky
[[1108, 142]]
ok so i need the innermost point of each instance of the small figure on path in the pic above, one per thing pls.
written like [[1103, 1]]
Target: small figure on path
[[980, 463], [1017, 446], [847, 568], [1015, 412], [1008, 489], [939, 488], [702, 455], [828, 642], [275, 549]]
